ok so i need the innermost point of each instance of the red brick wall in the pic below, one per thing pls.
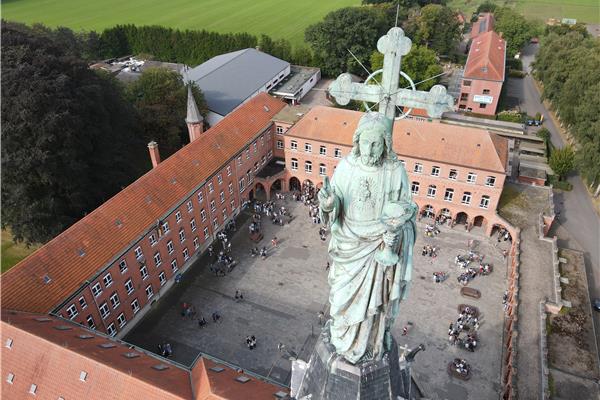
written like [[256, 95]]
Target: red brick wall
[[477, 87]]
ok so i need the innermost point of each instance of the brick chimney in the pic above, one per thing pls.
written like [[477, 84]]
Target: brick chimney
[[154, 153], [194, 120]]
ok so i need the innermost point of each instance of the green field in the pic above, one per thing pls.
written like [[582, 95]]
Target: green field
[[13, 253], [582, 10], [279, 19]]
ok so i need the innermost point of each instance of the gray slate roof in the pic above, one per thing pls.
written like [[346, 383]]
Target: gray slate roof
[[229, 79], [193, 115]]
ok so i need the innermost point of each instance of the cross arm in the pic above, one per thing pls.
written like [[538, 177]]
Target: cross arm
[[435, 102], [344, 90]]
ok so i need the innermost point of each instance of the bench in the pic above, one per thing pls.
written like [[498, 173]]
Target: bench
[[470, 292]]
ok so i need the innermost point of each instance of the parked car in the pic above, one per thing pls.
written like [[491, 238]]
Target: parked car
[[533, 122], [596, 304]]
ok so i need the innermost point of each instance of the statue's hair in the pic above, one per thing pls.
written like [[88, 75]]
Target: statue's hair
[[379, 122]]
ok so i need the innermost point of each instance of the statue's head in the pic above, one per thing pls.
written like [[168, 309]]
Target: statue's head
[[372, 141]]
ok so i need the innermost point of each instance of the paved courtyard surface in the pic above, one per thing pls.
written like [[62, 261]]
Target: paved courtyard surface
[[284, 294]]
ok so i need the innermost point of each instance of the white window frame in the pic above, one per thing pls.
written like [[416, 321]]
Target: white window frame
[[138, 252], [135, 306], [490, 181], [293, 145], [174, 266], [485, 202], [294, 164], [109, 281], [220, 179], [162, 278], [129, 286], [97, 289], [211, 187], [308, 167], [455, 177], [72, 311], [435, 171], [203, 215], [222, 196], [193, 225], [471, 177], [466, 198], [307, 147], [418, 168], [149, 293], [196, 243], [449, 195], [280, 145], [279, 130], [152, 239], [412, 187], [82, 303], [206, 233], [213, 206], [186, 254], [337, 153], [90, 321], [322, 169], [178, 216], [111, 330], [228, 170], [115, 302], [144, 272], [230, 188], [104, 306], [170, 247], [200, 197], [431, 191], [121, 320], [123, 266], [322, 150], [157, 259], [190, 206], [181, 235]]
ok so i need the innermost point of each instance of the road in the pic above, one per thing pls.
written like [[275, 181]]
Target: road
[[578, 226]]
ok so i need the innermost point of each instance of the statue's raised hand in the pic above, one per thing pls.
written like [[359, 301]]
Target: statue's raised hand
[[326, 196]]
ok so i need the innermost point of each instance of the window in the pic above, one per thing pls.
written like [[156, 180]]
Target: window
[[279, 130], [464, 96], [186, 254], [486, 91], [96, 289], [467, 83], [485, 202], [222, 197], [431, 191], [33, 388], [72, 311], [337, 153], [232, 203], [213, 207], [215, 223], [104, 310], [178, 216], [138, 253], [256, 166], [239, 160], [107, 280], [228, 170], [111, 330], [174, 267], [490, 181], [193, 225], [123, 266], [121, 320], [294, 164], [322, 169], [170, 247], [162, 278], [293, 145], [149, 291], [230, 187], [466, 199], [224, 211], [255, 147], [449, 195], [263, 160], [453, 174], [270, 154], [82, 303], [135, 306], [308, 147], [143, 272], [190, 206], [414, 188], [242, 185], [203, 215], [114, 300], [152, 239], [90, 322], [322, 150], [308, 167], [418, 168], [482, 105], [206, 233], [211, 187], [247, 154], [10, 378], [200, 197], [219, 179], [279, 144], [471, 177], [197, 242], [129, 286], [435, 171], [157, 259]]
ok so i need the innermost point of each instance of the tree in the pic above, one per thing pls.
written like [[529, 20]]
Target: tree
[[68, 137], [353, 28], [437, 28], [562, 161], [486, 6], [515, 29], [420, 64], [302, 56], [160, 98]]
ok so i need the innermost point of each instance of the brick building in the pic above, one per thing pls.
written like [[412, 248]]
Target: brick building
[[455, 171], [483, 75]]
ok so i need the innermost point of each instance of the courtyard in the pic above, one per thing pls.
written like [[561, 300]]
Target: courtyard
[[284, 294]]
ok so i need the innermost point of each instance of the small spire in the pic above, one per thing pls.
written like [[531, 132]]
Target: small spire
[[193, 115]]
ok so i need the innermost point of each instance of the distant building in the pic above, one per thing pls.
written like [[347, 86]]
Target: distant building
[[229, 80], [297, 84], [129, 69], [484, 23], [483, 75]]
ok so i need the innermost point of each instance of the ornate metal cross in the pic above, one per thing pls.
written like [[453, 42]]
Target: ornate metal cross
[[387, 94]]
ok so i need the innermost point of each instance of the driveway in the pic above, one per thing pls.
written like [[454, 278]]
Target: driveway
[[578, 225]]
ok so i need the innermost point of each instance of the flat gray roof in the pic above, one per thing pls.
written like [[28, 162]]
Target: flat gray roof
[[229, 79], [295, 80]]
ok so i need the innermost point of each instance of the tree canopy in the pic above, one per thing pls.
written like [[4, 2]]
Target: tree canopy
[[68, 137], [515, 29], [420, 64], [562, 161], [160, 98], [436, 27]]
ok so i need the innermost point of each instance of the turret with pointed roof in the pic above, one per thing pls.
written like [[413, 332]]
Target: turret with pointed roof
[[194, 119]]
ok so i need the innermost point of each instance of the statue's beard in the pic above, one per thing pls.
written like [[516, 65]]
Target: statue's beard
[[370, 161]]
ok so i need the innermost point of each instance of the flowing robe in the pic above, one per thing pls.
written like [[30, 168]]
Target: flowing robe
[[365, 295]]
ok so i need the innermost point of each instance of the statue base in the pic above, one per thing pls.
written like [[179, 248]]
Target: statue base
[[329, 376]]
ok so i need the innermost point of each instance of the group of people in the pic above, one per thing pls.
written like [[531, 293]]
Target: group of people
[[461, 366], [431, 230], [439, 277], [429, 250], [251, 342], [467, 322], [262, 252], [503, 234], [164, 349]]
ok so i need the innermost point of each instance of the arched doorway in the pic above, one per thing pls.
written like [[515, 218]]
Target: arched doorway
[[445, 215], [294, 184], [260, 192], [479, 221], [276, 186], [498, 229], [428, 211], [462, 218]]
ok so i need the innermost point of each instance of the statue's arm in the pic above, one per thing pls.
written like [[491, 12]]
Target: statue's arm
[[329, 202]]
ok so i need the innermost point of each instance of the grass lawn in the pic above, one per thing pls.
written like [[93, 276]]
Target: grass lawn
[[279, 19], [13, 253], [582, 10]]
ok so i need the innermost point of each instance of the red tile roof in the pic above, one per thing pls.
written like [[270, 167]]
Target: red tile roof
[[53, 359], [90, 244], [487, 58], [426, 140]]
